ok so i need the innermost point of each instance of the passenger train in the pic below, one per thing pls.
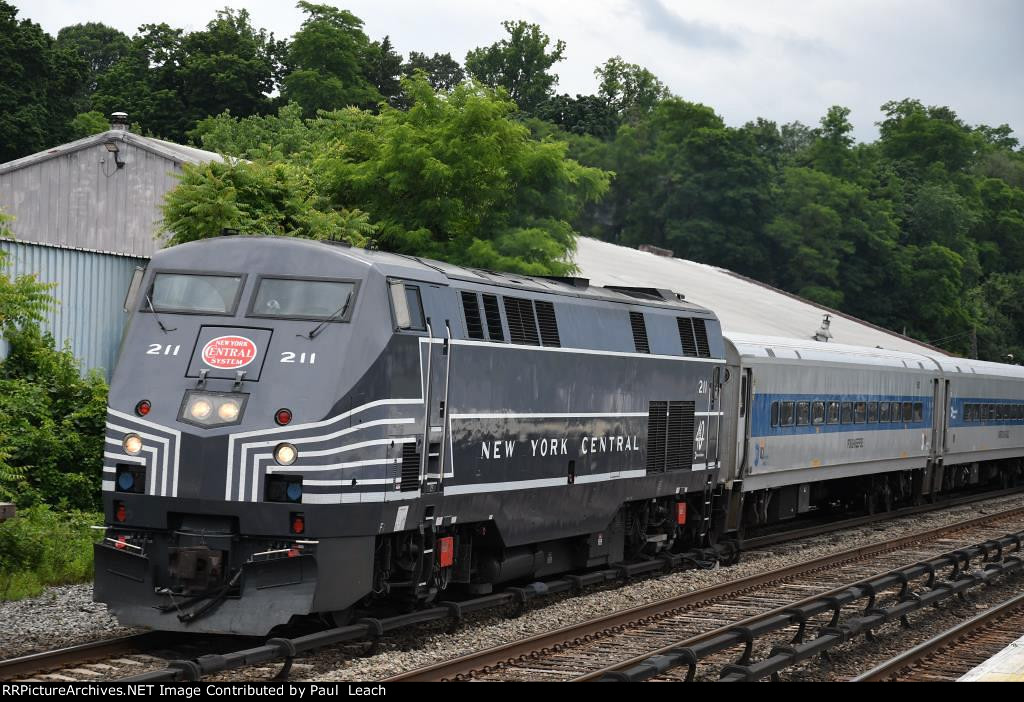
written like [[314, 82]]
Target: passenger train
[[302, 428]]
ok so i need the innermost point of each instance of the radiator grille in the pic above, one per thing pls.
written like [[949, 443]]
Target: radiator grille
[[522, 326], [701, 332], [471, 306], [679, 451], [547, 323], [657, 425], [493, 314], [636, 321], [410, 467], [686, 336]]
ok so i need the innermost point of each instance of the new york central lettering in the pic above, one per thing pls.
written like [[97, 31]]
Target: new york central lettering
[[500, 449]]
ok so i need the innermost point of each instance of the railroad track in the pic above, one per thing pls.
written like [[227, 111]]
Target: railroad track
[[132, 656], [603, 648], [89, 661], [955, 652]]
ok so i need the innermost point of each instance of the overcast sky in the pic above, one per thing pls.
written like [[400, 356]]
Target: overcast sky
[[780, 59]]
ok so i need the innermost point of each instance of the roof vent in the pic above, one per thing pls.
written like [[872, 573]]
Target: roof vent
[[823, 334], [119, 121]]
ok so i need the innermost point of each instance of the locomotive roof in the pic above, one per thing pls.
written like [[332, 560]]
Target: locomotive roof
[[427, 270]]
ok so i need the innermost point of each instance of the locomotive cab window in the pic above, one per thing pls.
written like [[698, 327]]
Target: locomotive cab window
[[407, 306], [296, 298], [193, 293]]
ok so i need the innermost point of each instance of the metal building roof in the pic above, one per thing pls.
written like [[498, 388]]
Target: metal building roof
[[84, 195], [743, 305]]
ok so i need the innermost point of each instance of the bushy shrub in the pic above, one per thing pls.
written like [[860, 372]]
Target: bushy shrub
[[41, 547]]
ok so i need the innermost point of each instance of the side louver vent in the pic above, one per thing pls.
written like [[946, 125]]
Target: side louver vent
[[686, 336], [547, 323], [471, 306], [657, 427], [701, 332], [522, 326], [493, 315], [680, 436], [636, 321], [410, 467]]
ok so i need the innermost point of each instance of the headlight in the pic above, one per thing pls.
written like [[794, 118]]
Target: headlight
[[210, 409], [228, 411], [132, 444], [200, 409], [285, 454]]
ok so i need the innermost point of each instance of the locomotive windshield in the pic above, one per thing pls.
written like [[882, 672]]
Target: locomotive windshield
[[190, 292], [303, 299]]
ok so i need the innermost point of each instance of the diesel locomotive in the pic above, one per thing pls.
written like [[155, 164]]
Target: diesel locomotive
[[298, 427], [302, 428]]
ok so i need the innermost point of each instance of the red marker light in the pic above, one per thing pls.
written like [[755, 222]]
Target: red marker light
[[120, 514], [293, 552], [283, 416], [121, 542], [298, 525], [142, 409]]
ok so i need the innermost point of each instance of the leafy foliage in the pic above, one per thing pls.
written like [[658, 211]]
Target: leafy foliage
[[43, 547], [521, 64]]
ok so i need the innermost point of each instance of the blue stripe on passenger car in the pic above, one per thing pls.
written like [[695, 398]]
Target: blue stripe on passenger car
[[957, 412], [761, 419]]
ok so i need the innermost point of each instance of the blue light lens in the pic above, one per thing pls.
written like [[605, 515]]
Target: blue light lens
[[126, 481], [294, 491]]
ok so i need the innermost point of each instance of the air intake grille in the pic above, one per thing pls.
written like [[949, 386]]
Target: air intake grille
[[471, 306], [547, 323], [657, 421], [636, 320], [493, 315], [680, 436], [522, 326], [410, 467], [686, 336], [701, 332]]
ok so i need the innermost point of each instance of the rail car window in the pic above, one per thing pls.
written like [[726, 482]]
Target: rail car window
[[908, 411], [786, 416], [859, 412], [803, 414], [833, 413], [194, 293], [775, 414], [918, 411], [894, 411], [295, 298], [883, 412], [817, 413], [872, 413], [847, 413]]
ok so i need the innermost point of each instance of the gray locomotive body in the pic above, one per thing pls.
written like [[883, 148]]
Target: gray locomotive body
[[295, 427]]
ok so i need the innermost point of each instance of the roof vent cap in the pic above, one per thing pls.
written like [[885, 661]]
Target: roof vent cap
[[823, 334], [119, 121]]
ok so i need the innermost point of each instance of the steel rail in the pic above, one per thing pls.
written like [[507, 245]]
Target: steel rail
[[911, 657], [464, 666], [30, 664]]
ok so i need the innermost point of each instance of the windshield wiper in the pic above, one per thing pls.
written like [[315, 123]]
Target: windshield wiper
[[337, 314], [157, 317]]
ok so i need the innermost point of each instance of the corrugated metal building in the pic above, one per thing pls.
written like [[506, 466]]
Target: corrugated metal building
[[85, 215]]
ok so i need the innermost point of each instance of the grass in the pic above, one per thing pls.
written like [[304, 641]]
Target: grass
[[44, 546]]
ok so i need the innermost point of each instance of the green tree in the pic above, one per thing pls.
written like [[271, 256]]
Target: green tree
[[521, 64], [442, 71], [922, 137], [36, 78], [87, 124], [328, 61], [100, 47], [629, 89], [830, 151]]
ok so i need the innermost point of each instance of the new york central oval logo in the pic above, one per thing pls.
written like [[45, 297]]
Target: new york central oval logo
[[229, 352]]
